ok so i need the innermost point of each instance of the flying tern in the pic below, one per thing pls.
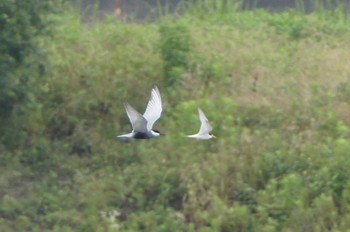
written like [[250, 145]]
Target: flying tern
[[205, 128], [142, 124]]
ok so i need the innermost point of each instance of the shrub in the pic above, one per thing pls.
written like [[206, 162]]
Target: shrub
[[22, 59], [175, 45]]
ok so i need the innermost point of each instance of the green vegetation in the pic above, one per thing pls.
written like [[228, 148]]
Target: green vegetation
[[274, 85], [22, 62]]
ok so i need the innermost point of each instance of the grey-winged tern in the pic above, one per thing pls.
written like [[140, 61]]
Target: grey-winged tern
[[142, 124]]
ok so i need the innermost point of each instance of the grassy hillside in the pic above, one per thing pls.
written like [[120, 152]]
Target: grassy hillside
[[274, 86]]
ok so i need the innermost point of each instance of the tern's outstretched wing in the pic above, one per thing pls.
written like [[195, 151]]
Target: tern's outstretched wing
[[205, 125], [154, 108], [138, 122]]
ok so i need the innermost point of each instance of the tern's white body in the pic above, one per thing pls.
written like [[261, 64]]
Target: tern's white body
[[142, 124], [205, 128], [200, 137]]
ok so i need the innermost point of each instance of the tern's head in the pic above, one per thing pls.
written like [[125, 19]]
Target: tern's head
[[212, 136], [156, 133]]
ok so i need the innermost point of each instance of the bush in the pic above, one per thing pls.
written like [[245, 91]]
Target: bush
[[22, 59], [175, 45]]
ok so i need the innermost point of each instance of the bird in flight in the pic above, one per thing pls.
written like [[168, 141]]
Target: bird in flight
[[205, 128], [142, 124]]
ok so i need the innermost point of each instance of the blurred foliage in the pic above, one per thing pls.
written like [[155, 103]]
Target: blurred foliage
[[23, 62], [280, 162], [175, 46]]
